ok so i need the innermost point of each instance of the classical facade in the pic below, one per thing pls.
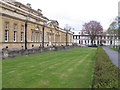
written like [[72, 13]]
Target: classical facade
[[81, 37], [22, 27]]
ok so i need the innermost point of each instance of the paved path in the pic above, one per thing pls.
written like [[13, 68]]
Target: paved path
[[114, 56], [0, 55]]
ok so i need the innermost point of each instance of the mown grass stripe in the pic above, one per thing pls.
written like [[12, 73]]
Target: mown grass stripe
[[62, 69]]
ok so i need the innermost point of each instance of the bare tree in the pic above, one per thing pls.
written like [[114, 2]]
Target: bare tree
[[113, 29], [93, 28], [67, 27]]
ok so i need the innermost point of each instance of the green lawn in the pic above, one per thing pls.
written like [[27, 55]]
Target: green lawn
[[72, 68], [1, 74], [118, 50]]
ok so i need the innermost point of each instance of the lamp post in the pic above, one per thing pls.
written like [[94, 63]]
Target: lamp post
[[44, 24], [114, 38], [25, 35], [119, 32], [26, 25], [67, 28], [66, 37]]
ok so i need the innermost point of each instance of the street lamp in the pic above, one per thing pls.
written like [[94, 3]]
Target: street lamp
[[25, 35], [44, 24], [114, 38], [66, 37], [26, 25], [67, 28]]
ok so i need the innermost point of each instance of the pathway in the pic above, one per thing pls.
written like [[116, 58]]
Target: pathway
[[113, 55]]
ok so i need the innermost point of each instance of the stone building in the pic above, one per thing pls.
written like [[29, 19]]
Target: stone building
[[22, 27], [81, 37]]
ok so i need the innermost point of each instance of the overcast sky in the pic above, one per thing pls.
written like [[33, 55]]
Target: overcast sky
[[76, 12]]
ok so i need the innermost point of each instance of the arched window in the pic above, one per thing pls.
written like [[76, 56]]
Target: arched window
[[37, 28]]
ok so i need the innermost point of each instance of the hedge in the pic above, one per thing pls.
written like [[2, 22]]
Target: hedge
[[92, 46], [106, 74]]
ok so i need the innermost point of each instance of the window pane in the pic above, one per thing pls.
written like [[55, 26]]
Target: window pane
[[6, 25], [15, 26], [14, 35], [22, 28], [32, 36], [6, 35], [22, 36]]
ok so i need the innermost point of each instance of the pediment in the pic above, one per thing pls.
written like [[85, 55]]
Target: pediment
[[51, 25]]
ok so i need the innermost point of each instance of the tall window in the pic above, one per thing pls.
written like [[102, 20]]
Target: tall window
[[37, 36], [15, 27], [22, 33], [22, 28], [22, 36], [15, 31], [6, 31], [40, 36], [6, 25], [6, 35], [32, 38], [14, 36]]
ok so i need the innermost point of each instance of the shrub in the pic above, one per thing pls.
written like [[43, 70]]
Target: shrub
[[92, 46]]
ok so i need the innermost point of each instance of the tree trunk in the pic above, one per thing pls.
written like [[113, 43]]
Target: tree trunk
[[92, 41]]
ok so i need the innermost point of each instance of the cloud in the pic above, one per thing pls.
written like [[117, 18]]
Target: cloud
[[77, 12]]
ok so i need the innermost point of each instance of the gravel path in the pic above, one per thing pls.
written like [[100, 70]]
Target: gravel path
[[114, 56]]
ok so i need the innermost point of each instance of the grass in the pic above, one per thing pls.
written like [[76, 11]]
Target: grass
[[1, 74], [118, 50], [106, 73], [72, 68]]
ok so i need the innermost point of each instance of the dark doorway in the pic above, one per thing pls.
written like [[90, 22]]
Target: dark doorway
[[79, 41], [110, 42], [98, 42]]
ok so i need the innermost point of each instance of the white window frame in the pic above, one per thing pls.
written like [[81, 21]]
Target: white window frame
[[40, 37], [14, 36], [32, 38], [15, 27], [7, 35], [6, 29], [6, 25], [22, 28], [22, 36], [37, 35]]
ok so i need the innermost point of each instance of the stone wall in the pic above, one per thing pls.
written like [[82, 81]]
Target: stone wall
[[14, 53]]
